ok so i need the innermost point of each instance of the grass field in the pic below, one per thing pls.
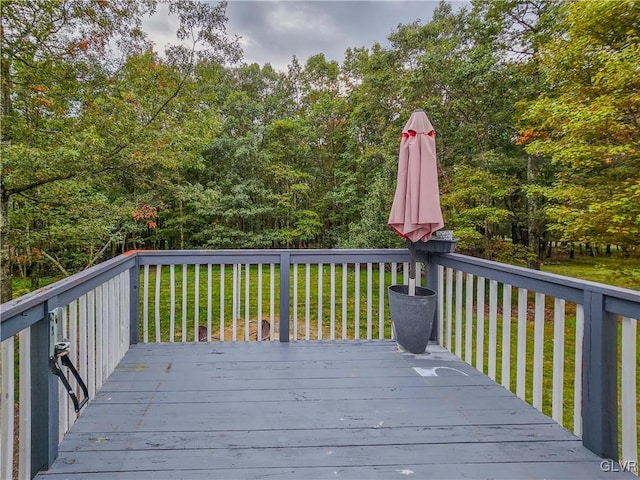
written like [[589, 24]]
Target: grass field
[[256, 299], [614, 270]]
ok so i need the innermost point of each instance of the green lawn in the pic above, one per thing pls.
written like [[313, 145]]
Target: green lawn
[[608, 271], [614, 270], [353, 328]]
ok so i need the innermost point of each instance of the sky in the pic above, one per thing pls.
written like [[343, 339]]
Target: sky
[[274, 31]]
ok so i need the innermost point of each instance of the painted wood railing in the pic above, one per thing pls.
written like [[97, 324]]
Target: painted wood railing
[[93, 311], [562, 356], [231, 295], [98, 310], [556, 342]]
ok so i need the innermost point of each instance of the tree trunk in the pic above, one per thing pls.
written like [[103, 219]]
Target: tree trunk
[[181, 224], [532, 223], [5, 99], [35, 276], [6, 288]]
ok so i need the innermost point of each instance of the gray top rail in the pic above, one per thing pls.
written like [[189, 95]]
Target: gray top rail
[[26, 310], [621, 301], [175, 257]]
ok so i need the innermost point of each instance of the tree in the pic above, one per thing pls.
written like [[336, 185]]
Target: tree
[[517, 29], [372, 231], [476, 202], [590, 124], [456, 70], [287, 153], [84, 98]]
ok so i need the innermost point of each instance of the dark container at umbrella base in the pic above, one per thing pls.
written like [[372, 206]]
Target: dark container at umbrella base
[[437, 245], [412, 316]]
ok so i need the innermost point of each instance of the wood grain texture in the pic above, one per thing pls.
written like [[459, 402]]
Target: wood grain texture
[[357, 410]]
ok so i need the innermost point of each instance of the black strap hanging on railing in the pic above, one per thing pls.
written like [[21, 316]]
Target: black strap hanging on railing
[[61, 351]]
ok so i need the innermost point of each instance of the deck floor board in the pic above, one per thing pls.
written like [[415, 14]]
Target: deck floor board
[[359, 410]]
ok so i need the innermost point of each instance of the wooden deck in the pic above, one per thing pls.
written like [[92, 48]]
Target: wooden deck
[[358, 410]]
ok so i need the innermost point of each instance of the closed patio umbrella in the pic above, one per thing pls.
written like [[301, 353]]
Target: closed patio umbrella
[[415, 213]]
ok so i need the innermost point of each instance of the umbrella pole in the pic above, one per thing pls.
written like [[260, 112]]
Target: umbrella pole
[[412, 269]]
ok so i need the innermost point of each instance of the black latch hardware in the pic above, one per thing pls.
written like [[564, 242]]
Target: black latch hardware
[[61, 354]]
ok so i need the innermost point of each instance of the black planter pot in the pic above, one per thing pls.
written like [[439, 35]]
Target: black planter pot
[[412, 316], [436, 245]]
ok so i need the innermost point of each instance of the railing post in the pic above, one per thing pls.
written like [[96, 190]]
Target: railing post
[[285, 263], [44, 393], [134, 302], [599, 380], [431, 282]]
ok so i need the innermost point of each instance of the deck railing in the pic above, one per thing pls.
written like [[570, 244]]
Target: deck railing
[[93, 310], [563, 353], [326, 294], [583, 353]]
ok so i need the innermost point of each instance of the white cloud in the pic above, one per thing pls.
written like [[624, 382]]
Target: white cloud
[[274, 31], [161, 28], [293, 18]]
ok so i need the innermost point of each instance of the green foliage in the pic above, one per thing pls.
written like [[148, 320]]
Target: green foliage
[[90, 110], [475, 201], [372, 230], [109, 145], [588, 124]]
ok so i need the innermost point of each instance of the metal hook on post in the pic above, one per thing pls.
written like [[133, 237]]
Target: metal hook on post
[[62, 354], [59, 355]]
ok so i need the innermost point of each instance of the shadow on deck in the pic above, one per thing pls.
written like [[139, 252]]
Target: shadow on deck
[[311, 410]]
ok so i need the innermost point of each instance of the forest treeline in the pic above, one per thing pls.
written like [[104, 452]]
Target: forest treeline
[[108, 145]]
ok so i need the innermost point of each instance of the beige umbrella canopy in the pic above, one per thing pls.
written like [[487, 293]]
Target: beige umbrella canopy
[[415, 213]]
